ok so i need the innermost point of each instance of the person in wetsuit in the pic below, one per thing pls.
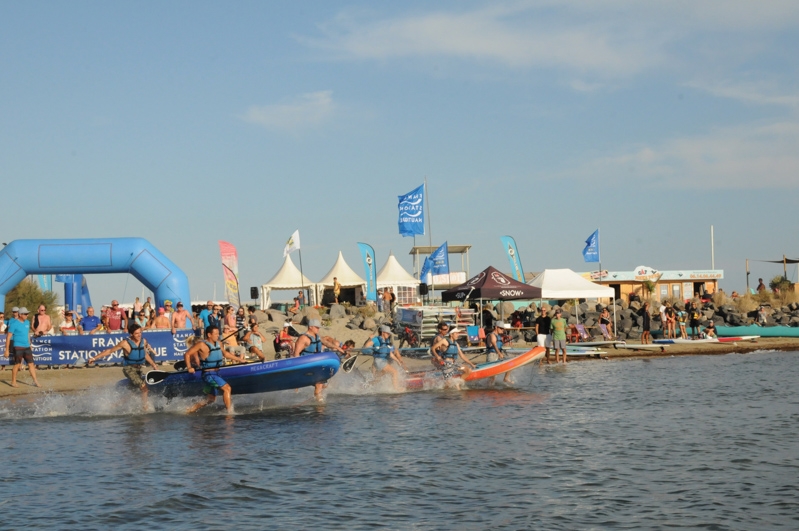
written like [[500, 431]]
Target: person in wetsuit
[[210, 356], [135, 355], [445, 350]]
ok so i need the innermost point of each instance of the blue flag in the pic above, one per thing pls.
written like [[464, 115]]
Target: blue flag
[[440, 260], [368, 255], [428, 264], [411, 212], [513, 256], [591, 251]]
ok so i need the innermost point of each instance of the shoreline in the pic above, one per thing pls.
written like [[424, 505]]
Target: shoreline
[[70, 380]]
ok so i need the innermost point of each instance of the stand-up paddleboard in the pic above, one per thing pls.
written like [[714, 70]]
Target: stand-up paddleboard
[[680, 341], [249, 378], [582, 344], [418, 380], [641, 346], [741, 338]]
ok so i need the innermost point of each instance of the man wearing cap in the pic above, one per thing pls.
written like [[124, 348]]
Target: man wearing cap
[[90, 324], [383, 351], [284, 342], [311, 343], [543, 334], [168, 309], [558, 329], [445, 350], [494, 350], [181, 319], [19, 333], [135, 354]]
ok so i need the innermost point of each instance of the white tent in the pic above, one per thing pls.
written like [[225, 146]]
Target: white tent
[[566, 284], [393, 275], [346, 277], [287, 277]]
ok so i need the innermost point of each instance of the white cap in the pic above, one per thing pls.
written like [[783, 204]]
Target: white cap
[[455, 330]]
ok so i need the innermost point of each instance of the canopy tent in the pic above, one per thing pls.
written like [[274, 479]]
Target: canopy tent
[[490, 284], [352, 285], [287, 277], [394, 276], [566, 284], [562, 284]]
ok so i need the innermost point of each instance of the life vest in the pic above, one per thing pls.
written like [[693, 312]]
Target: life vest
[[136, 354], [490, 348], [384, 350], [215, 357], [452, 350], [314, 347]]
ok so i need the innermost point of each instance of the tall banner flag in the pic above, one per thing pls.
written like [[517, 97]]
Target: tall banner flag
[[424, 275], [440, 260], [368, 255], [293, 243], [591, 251], [411, 212], [513, 256], [230, 269], [46, 282]]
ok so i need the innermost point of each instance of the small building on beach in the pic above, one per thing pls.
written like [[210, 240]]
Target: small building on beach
[[673, 285]]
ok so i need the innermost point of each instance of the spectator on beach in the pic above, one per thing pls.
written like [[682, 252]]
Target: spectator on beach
[[181, 319], [137, 306], [254, 341], [301, 298], [215, 318], [646, 323], [294, 310], [762, 316], [663, 318], [147, 308], [209, 355], [760, 286], [558, 328], [18, 335], [68, 326], [393, 300], [229, 329], [543, 334], [162, 321], [42, 325], [241, 324], [116, 317], [710, 330], [336, 289], [380, 300], [284, 341], [168, 309], [206, 313], [141, 319], [694, 316], [251, 314], [604, 319], [488, 319], [671, 322], [135, 355], [3, 324], [682, 317], [91, 324]]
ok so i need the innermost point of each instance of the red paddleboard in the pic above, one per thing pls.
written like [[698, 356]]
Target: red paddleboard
[[416, 380]]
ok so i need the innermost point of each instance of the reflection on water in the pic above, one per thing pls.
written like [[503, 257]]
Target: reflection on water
[[684, 442]]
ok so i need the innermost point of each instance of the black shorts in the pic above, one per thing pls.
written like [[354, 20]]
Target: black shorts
[[23, 353]]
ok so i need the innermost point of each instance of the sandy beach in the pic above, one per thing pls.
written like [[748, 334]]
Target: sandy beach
[[80, 379]]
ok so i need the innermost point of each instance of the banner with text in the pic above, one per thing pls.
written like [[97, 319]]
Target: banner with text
[[368, 255], [230, 269], [411, 212], [513, 257]]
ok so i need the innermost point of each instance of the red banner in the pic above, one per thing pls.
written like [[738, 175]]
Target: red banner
[[230, 268]]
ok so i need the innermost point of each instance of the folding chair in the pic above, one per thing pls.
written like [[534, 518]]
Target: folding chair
[[580, 333], [605, 332]]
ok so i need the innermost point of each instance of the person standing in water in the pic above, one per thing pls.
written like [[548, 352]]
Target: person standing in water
[[311, 343], [18, 335], [210, 356]]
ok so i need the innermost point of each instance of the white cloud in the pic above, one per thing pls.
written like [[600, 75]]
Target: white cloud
[[756, 157], [759, 93], [306, 111]]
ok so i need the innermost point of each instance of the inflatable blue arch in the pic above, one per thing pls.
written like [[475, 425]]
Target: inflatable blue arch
[[136, 256]]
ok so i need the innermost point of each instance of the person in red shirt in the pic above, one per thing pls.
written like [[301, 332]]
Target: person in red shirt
[[116, 316]]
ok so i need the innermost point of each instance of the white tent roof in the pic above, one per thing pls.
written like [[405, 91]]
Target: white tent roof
[[566, 284], [393, 274], [288, 277], [346, 276]]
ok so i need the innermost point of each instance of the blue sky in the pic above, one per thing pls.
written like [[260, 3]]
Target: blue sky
[[191, 122]]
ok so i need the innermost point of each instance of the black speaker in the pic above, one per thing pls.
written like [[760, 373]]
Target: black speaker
[[422, 289], [253, 293]]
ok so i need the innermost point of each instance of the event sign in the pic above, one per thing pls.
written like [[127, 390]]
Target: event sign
[[67, 350]]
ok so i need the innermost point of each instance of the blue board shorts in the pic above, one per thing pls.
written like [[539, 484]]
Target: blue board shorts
[[380, 363], [212, 383]]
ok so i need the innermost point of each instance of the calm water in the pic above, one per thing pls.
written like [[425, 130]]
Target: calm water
[[687, 442]]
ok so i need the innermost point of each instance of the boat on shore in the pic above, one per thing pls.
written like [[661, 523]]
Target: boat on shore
[[761, 331], [250, 378]]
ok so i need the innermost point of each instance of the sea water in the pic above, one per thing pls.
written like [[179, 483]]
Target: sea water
[[662, 443]]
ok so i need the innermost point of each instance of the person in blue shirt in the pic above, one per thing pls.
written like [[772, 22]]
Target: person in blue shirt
[[210, 356], [91, 324], [205, 313], [19, 332], [384, 352]]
